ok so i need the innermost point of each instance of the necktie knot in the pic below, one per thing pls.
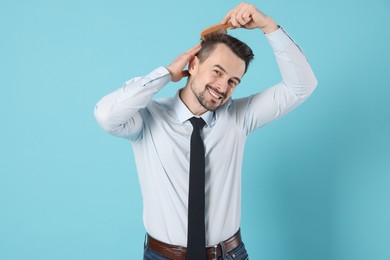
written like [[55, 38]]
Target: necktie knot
[[197, 122]]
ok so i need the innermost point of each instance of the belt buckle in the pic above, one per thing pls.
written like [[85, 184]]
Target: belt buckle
[[215, 252]]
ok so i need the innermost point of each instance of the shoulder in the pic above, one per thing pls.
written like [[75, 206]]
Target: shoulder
[[161, 104], [235, 105]]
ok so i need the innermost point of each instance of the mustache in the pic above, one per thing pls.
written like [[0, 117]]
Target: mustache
[[223, 95]]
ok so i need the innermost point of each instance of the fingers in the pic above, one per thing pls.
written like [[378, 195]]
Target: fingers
[[194, 50], [176, 68], [238, 16], [187, 56], [185, 73], [242, 16], [190, 54], [226, 18]]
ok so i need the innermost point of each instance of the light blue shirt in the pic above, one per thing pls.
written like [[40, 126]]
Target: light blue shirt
[[160, 132]]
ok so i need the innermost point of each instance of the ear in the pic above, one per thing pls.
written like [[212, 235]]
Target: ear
[[193, 65]]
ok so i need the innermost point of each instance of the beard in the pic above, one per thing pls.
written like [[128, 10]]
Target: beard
[[207, 100]]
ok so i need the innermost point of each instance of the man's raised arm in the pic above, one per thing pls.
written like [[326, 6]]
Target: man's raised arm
[[298, 79], [118, 112]]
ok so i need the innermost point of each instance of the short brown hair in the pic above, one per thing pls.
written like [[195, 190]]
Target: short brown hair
[[241, 49]]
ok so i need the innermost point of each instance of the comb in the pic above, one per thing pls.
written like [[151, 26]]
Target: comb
[[217, 28]]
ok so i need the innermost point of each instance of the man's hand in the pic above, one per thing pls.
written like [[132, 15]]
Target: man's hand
[[247, 16], [176, 68]]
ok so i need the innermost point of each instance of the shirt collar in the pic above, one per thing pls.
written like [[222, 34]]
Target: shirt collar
[[183, 113]]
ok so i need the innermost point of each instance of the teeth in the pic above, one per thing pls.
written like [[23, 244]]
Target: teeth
[[213, 93]]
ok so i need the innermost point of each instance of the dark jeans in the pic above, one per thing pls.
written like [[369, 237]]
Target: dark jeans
[[239, 253]]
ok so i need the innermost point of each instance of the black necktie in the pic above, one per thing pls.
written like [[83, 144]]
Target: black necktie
[[196, 240]]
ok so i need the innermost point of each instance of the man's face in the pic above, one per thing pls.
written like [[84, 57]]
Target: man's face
[[213, 81]]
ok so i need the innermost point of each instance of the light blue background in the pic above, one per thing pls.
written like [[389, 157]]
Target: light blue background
[[316, 183]]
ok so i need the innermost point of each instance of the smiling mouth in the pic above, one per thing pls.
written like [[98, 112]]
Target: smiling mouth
[[215, 93]]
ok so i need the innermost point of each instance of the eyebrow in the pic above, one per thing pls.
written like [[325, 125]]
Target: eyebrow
[[221, 68]]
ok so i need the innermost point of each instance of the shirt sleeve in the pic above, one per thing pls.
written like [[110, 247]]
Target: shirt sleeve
[[298, 83], [118, 113]]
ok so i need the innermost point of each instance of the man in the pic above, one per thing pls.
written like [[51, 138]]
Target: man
[[161, 132]]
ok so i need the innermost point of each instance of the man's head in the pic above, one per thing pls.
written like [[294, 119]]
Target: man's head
[[241, 49], [215, 72]]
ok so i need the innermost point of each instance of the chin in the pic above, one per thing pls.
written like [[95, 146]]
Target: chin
[[214, 106]]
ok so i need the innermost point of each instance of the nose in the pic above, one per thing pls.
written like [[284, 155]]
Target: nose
[[222, 87]]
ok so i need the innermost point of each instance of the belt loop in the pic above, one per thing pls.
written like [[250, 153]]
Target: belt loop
[[223, 249], [215, 252], [146, 240]]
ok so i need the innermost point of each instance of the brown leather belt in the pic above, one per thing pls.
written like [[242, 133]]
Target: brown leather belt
[[179, 253]]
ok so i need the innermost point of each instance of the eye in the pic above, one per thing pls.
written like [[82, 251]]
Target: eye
[[232, 83], [217, 72]]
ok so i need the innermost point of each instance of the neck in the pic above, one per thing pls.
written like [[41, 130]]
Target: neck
[[189, 99]]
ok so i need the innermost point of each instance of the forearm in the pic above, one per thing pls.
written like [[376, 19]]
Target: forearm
[[118, 112]]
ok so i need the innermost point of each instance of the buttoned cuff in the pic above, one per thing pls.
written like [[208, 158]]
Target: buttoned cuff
[[156, 79], [160, 72]]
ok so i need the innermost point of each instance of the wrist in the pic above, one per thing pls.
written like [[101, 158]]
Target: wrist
[[269, 26]]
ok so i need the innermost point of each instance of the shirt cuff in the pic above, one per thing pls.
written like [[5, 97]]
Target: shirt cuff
[[156, 79], [160, 72], [279, 39]]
